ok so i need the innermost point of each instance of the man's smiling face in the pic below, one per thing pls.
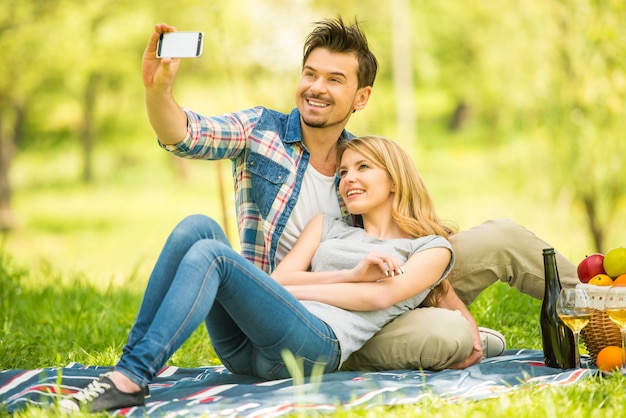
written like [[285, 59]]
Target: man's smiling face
[[328, 92]]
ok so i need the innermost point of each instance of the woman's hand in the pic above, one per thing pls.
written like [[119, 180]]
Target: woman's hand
[[376, 266]]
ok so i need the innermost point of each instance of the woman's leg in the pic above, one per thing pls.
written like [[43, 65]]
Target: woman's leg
[[251, 334], [189, 231], [266, 318], [114, 390]]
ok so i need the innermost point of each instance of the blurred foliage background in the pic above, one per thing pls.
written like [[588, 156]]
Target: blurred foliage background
[[510, 108]]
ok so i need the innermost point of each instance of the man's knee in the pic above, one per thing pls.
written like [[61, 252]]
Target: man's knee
[[493, 235], [495, 250]]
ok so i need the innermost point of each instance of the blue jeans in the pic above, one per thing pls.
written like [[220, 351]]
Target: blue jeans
[[250, 317]]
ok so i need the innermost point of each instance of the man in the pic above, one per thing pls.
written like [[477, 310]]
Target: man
[[284, 174]]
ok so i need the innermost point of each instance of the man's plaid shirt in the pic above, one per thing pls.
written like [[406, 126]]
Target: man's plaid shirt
[[269, 160]]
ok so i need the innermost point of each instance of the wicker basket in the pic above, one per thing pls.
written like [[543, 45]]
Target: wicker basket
[[601, 331]]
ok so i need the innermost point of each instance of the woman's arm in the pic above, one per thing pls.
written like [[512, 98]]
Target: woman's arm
[[294, 268], [421, 271], [298, 259]]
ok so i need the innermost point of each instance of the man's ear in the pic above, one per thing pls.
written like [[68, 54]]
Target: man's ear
[[362, 97]]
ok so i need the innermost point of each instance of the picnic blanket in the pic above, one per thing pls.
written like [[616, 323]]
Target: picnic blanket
[[215, 392]]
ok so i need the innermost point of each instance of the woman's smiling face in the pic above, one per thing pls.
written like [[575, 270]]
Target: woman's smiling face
[[364, 186]]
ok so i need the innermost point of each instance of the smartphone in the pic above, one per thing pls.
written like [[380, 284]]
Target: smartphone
[[180, 44]]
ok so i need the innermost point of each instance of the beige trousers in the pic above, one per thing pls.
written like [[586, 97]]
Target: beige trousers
[[424, 338], [435, 338], [502, 250]]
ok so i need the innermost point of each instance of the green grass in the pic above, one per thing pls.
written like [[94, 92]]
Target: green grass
[[53, 325]]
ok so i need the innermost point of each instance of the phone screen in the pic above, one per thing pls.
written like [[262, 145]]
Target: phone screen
[[180, 44]]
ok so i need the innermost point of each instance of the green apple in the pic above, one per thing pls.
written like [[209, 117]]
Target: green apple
[[615, 262]]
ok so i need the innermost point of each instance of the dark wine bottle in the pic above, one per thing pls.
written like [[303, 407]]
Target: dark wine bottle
[[558, 340]]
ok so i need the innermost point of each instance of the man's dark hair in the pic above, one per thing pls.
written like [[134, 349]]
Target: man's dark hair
[[335, 36]]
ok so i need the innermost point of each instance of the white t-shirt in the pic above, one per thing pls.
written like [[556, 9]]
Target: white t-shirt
[[318, 194]]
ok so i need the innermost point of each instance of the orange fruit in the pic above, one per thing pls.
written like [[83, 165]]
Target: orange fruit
[[601, 280], [609, 358], [620, 280]]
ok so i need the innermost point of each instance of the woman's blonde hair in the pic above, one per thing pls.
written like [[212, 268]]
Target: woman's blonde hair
[[412, 209]]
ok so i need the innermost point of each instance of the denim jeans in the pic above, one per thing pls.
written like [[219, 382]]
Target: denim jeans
[[250, 317]]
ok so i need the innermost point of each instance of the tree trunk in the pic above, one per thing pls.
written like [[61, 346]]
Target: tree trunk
[[406, 113], [88, 135], [459, 116], [595, 226], [222, 192], [10, 132], [7, 219]]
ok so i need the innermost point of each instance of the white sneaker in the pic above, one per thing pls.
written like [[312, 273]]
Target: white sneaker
[[492, 341]]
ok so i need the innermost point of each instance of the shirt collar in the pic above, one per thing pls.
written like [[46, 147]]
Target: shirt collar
[[293, 131]]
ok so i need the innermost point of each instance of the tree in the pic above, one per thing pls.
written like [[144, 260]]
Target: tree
[[586, 109], [404, 88], [21, 35], [99, 61], [552, 73]]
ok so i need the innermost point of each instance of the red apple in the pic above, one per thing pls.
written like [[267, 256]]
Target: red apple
[[590, 266]]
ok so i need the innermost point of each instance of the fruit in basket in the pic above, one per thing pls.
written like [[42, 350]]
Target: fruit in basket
[[620, 280], [601, 280], [609, 358], [591, 266], [615, 262]]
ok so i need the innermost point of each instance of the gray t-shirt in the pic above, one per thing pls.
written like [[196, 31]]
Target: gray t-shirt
[[343, 247]]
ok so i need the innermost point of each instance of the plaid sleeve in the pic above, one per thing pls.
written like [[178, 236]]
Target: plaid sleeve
[[216, 137]]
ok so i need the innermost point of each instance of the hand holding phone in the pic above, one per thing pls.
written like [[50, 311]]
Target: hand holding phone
[[180, 45]]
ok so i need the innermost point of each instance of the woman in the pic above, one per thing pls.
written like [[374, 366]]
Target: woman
[[337, 287]]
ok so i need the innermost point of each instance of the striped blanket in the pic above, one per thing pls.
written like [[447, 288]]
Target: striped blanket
[[213, 391]]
